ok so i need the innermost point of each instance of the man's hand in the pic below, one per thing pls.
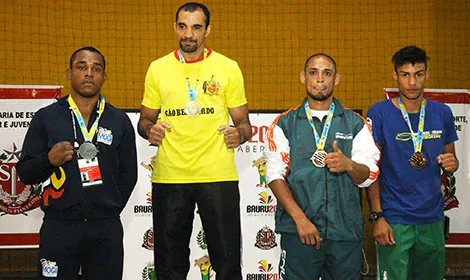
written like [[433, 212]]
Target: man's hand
[[156, 133], [308, 233], [231, 136], [448, 161], [61, 153], [383, 233], [337, 161]]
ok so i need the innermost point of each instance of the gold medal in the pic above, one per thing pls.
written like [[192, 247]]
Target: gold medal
[[193, 108], [418, 161], [318, 158]]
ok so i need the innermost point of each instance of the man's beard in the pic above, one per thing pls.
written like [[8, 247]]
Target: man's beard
[[320, 97], [190, 48]]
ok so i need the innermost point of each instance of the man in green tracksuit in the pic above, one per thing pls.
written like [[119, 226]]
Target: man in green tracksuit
[[317, 154]]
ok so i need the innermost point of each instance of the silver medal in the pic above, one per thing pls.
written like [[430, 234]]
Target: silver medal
[[318, 158], [87, 150], [193, 108]]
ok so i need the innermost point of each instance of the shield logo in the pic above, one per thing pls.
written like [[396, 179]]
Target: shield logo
[[265, 239], [211, 87], [16, 197]]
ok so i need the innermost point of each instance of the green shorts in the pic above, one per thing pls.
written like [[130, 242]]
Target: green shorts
[[418, 253], [334, 260]]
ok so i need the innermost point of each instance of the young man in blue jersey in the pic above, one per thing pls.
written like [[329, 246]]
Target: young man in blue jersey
[[416, 136]]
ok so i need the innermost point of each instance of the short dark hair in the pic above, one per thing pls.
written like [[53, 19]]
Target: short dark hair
[[320, 54], [90, 49], [410, 54], [192, 7]]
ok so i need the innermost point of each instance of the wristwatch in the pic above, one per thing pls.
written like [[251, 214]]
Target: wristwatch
[[374, 216]]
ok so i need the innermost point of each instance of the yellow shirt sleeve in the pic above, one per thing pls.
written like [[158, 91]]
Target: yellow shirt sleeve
[[152, 98], [236, 89]]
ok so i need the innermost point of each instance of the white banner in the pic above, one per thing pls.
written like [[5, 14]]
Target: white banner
[[20, 224], [260, 254]]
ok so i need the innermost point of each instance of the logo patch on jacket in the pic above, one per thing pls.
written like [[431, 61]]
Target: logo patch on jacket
[[49, 268], [105, 136], [340, 135]]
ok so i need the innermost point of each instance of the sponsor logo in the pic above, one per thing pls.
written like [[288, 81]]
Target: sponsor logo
[[144, 210], [264, 272], [15, 197], [265, 239], [265, 205], [211, 87], [49, 268], [104, 136], [205, 266], [147, 241], [343, 136], [282, 266], [427, 135], [148, 273], [256, 143], [260, 164]]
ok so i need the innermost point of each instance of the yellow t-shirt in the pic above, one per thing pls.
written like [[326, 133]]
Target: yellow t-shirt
[[194, 151]]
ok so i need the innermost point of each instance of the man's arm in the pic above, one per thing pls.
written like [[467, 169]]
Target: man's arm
[[338, 162], [127, 153], [277, 168], [147, 119], [148, 128], [241, 132], [382, 232], [307, 231], [37, 162], [362, 166]]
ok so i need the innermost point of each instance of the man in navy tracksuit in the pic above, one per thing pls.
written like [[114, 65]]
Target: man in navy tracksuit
[[82, 150]]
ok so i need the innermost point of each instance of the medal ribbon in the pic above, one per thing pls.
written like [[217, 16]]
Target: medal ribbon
[[192, 91], [320, 141], [88, 135], [416, 137]]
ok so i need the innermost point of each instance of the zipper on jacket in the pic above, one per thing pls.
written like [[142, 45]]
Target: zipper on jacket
[[326, 202]]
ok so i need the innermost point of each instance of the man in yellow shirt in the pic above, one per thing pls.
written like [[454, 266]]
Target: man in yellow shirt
[[194, 90]]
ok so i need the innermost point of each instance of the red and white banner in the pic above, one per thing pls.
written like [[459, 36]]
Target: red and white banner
[[459, 101], [20, 217]]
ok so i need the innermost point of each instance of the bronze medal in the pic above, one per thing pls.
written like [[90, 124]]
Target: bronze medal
[[418, 161], [318, 158], [87, 150]]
